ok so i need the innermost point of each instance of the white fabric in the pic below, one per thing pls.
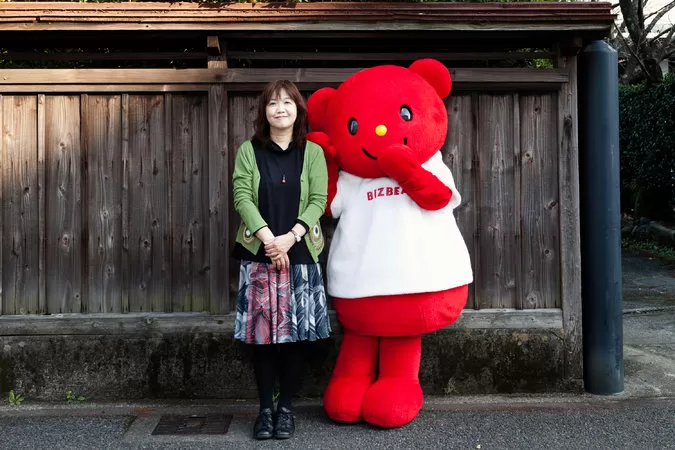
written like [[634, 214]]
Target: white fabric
[[386, 244]]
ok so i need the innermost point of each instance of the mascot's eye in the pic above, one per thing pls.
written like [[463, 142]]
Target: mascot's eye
[[353, 126], [406, 113]]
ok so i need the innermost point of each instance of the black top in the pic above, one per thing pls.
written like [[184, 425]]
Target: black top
[[278, 198]]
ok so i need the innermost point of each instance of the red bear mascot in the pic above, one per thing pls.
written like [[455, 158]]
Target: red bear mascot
[[398, 266]]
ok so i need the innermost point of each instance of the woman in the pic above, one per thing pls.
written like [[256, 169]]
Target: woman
[[280, 183]]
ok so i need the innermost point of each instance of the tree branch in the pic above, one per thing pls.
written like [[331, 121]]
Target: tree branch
[[632, 52], [630, 18], [659, 14], [641, 15], [666, 31]]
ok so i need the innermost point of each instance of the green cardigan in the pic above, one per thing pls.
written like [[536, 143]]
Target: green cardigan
[[313, 195]]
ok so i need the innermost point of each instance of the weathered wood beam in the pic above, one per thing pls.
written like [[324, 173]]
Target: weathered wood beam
[[339, 56], [18, 77], [165, 323], [217, 58], [116, 56], [570, 234], [213, 46], [599, 30]]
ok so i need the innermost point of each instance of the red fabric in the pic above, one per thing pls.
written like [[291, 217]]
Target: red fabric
[[356, 392], [385, 121], [383, 334], [421, 185], [323, 140], [401, 315], [396, 397], [355, 371], [331, 110]]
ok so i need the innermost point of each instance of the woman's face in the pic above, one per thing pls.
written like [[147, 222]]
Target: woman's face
[[281, 112]]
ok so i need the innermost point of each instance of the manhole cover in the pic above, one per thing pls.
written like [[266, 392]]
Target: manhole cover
[[181, 425]]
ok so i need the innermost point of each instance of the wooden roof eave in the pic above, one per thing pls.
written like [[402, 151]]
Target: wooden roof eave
[[594, 18]]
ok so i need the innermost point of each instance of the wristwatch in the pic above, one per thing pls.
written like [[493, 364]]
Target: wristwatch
[[298, 238]]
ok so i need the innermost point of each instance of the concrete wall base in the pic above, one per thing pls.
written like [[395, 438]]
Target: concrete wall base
[[188, 364]]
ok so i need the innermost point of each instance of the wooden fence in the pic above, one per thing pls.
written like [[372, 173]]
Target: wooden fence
[[116, 194]]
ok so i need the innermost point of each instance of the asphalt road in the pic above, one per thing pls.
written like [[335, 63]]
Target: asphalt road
[[632, 424]]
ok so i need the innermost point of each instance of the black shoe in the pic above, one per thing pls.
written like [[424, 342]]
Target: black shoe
[[264, 425], [284, 425]]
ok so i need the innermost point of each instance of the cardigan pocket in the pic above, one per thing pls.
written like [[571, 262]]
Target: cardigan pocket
[[316, 239]]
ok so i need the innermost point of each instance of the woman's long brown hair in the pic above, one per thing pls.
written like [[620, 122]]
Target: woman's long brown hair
[[262, 126]]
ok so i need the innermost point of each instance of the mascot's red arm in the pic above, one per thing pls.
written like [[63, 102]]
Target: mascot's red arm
[[318, 118], [320, 138], [421, 185]]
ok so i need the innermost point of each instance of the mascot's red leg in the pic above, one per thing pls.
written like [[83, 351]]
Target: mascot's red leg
[[354, 373], [396, 398]]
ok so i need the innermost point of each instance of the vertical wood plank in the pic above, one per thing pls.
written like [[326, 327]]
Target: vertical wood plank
[[63, 204], [570, 240], [517, 199], [540, 218], [189, 138], [42, 210], [243, 109], [219, 179], [201, 287], [498, 218], [458, 154], [148, 204], [170, 232], [181, 208], [103, 136], [125, 262], [20, 206]]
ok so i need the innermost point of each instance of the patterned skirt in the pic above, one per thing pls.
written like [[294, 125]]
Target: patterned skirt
[[274, 307]]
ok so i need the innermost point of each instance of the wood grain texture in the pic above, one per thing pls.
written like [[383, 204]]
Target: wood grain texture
[[63, 194], [125, 275], [459, 153], [42, 207], [218, 207], [146, 324], [243, 109], [148, 204], [540, 203], [20, 265], [189, 259], [498, 225], [570, 240], [460, 76], [104, 216]]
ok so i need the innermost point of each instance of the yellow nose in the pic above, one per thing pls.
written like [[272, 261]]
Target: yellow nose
[[380, 130]]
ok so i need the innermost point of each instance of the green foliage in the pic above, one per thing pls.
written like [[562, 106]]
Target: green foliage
[[649, 247], [72, 398], [15, 399], [647, 143]]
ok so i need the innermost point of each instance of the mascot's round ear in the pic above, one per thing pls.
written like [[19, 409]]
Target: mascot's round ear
[[435, 73], [317, 105]]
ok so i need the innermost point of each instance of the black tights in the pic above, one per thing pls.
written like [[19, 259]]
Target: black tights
[[270, 361]]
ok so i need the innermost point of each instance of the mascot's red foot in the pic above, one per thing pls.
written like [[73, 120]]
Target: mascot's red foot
[[396, 397], [343, 399], [392, 403], [354, 373]]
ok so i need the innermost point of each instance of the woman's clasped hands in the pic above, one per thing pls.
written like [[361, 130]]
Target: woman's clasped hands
[[277, 250]]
